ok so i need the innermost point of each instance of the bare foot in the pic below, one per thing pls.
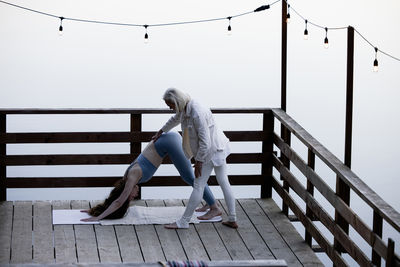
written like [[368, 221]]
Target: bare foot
[[210, 214], [171, 226], [230, 224], [202, 209]]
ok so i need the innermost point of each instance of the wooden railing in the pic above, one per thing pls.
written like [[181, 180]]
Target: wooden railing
[[268, 159], [135, 137], [314, 211]]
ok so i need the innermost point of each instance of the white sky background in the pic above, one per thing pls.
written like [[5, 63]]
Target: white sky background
[[105, 66]]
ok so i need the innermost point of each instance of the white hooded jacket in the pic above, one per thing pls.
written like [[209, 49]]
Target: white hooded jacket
[[207, 142]]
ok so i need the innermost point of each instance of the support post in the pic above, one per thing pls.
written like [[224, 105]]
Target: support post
[[342, 189], [267, 150], [377, 227], [136, 147], [310, 189], [3, 168], [284, 56]]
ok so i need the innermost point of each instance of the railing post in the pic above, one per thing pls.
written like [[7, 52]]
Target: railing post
[[136, 147], [310, 189], [377, 229], [3, 169], [390, 253], [286, 136], [267, 150], [342, 189]]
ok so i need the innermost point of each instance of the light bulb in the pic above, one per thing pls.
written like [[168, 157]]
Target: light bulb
[[60, 29], [306, 31], [326, 42], [375, 65], [305, 34], [288, 18], [146, 36], [229, 26], [376, 60]]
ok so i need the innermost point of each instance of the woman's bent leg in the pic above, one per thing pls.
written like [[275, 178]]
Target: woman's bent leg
[[222, 178], [195, 197]]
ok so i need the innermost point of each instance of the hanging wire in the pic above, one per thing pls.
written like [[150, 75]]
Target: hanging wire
[[261, 8], [365, 39], [340, 28], [140, 25]]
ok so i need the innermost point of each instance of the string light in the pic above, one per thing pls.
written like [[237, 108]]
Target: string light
[[261, 8], [306, 31], [60, 29], [288, 15], [146, 36], [376, 60], [229, 26], [326, 42]]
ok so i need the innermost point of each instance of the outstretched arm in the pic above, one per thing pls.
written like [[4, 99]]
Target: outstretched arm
[[130, 183]]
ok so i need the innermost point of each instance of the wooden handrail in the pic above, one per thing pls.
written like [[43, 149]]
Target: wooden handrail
[[349, 177]]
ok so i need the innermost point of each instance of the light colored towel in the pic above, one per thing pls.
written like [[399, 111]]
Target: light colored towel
[[70, 217], [150, 215], [156, 215]]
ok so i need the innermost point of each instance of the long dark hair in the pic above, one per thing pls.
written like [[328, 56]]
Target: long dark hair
[[114, 194]]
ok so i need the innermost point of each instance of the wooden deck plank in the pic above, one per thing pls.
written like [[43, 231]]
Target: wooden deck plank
[[268, 232], [107, 244], [64, 237], [233, 242], [148, 240], [21, 243], [212, 242], [254, 242], [169, 239], [297, 244], [191, 242], [6, 219], [129, 247], [85, 237], [43, 249]]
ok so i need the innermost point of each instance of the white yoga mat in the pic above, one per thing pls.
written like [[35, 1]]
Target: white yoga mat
[[70, 217], [135, 215]]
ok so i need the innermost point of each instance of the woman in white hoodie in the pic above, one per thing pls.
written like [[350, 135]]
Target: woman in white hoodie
[[208, 145]]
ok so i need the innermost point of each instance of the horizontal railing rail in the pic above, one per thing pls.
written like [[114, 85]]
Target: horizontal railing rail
[[135, 137], [380, 208]]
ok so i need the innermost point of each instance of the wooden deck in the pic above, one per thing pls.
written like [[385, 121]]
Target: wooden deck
[[28, 236]]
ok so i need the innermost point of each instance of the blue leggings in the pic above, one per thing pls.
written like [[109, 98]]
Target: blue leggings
[[170, 144]]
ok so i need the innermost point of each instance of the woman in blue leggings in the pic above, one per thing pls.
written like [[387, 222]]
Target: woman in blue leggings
[[141, 171]]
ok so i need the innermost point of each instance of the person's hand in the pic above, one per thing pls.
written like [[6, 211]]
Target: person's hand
[[197, 168], [157, 135], [87, 211], [90, 219]]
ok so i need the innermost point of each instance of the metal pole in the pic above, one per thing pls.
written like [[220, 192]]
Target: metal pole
[[284, 56], [349, 96]]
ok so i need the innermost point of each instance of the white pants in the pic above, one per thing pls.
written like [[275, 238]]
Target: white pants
[[198, 189]]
